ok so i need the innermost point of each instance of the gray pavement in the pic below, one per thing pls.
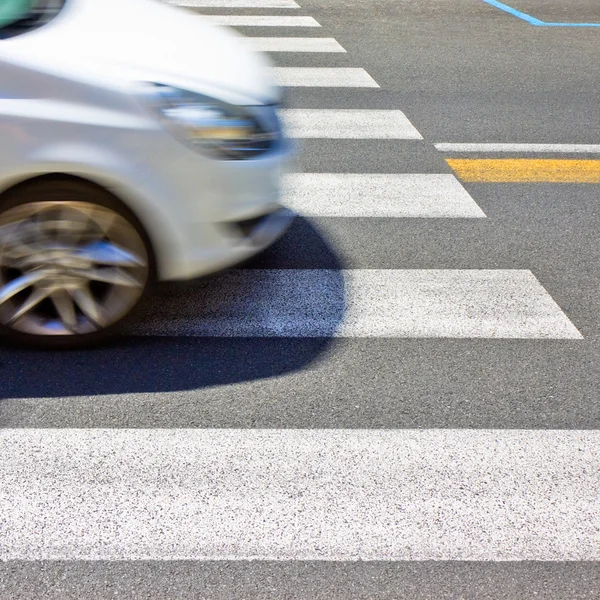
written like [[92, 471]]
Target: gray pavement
[[461, 71], [224, 580]]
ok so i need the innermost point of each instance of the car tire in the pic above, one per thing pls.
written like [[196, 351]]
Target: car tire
[[75, 263]]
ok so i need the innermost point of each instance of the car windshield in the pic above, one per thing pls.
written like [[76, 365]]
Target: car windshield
[[17, 16]]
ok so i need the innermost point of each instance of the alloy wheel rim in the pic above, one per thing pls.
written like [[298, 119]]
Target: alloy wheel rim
[[68, 268]]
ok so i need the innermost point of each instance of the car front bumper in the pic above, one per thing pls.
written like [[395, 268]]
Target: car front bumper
[[237, 242]]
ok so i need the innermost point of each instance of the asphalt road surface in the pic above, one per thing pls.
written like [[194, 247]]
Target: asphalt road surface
[[397, 400]]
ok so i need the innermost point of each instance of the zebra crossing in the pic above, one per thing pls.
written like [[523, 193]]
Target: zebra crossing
[[307, 303], [323, 77], [378, 195], [288, 44], [262, 21], [364, 303], [348, 124], [301, 495], [341, 495]]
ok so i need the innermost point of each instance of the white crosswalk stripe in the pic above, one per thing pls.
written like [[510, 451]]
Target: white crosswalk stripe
[[323, 77], [363, 303], [378, 195], [540, 148], [341, 495], [289, 44], [236, 3], [349, 124], [262, 21]]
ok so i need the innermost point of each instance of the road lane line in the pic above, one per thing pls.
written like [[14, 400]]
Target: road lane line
[[516, 13], [289, 44], [261, 21], [533, 20], [235, 3], [526, 170], [323, 77], [539, 148], [378, 195], [349, 124], [360, 303], [284, 494]]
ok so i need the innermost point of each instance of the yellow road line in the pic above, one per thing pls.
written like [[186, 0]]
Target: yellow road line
[[526, 169]]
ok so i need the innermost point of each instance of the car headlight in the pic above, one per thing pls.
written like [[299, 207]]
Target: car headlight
[[226, 131]]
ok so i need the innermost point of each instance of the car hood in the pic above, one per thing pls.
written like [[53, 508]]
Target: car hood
[[147, 40]]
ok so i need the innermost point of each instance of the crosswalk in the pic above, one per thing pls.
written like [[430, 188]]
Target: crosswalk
[[351, 77], [262, 21], [321, 494], [289, 44], [284, 495], [365, 303], [348, 124], [379, 195]]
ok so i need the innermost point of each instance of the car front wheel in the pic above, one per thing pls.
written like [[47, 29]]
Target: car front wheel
[[73, 264]]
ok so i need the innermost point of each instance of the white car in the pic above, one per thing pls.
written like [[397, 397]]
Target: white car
[[138, 142]]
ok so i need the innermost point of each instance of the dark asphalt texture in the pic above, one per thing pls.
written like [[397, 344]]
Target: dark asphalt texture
[[462, 71], [299, 581]]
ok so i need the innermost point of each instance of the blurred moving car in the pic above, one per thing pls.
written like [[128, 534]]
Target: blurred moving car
[[137, 143]]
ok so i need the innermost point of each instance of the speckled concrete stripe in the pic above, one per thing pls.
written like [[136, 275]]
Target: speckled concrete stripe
[[235, 3], [378, 195], [323, 77], [360, 303], [262, 21], [290, 44], [517, 148], [338, 495], [349, 124]]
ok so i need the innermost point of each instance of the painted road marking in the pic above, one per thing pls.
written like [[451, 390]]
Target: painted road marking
[[285, 494], [322, 77], [361, 303], [539, 148], [533, 20], [235, 3], [378, 195], [261, 21], [289, 44], [513, 11], [349, 124], [526, 170]]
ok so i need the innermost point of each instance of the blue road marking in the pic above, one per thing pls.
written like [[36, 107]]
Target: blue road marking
[[515, 12], [532, 20]]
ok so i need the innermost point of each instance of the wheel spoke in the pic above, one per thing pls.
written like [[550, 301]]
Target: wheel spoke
[[7, 231], [19, 284], [65, 308], [36, 296], [71, 225], [105, 253], [38, 228], [7, 258], [11, 246], [105, 219], [114, 276], [89, 307]]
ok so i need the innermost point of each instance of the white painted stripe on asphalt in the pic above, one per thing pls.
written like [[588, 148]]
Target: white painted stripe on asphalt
[[235, 3], [540, 148], [323, 77], [290, 44], [378, 195], [261, 21], [361, 303], [339, 495], [349, 124]]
